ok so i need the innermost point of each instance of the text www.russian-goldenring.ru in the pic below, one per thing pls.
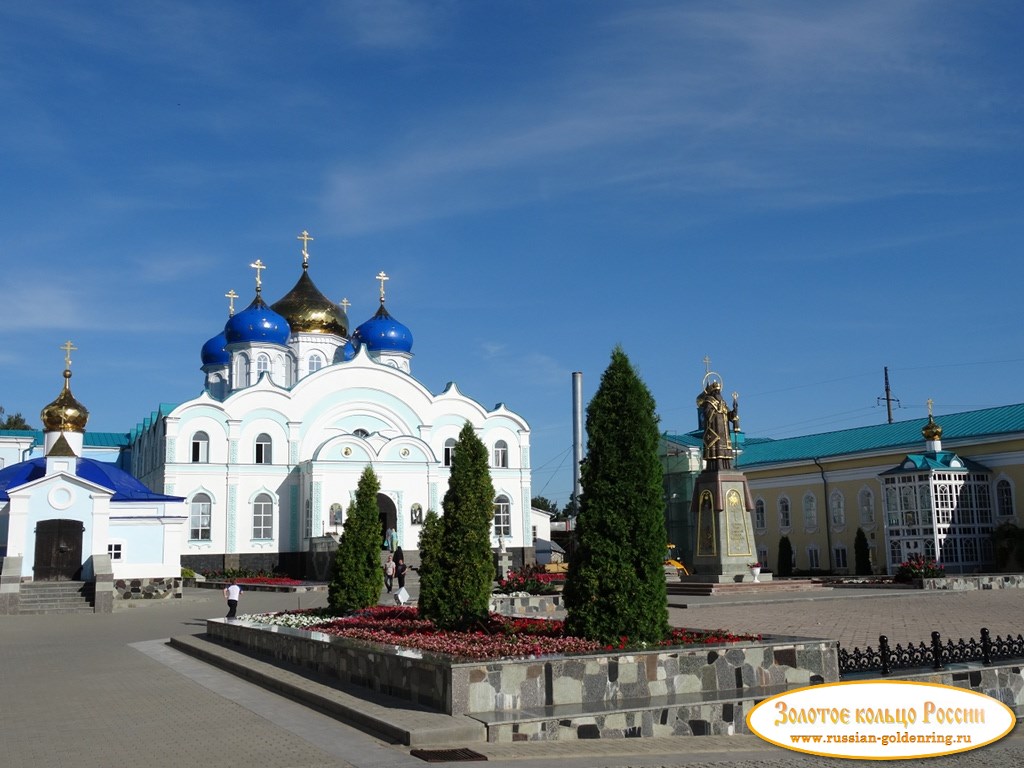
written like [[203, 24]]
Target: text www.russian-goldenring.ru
[[948, 739]]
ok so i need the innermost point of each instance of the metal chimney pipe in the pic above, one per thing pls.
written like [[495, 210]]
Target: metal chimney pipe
[[577, 433]]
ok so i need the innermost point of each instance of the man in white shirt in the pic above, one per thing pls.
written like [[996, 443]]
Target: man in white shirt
[[232, 592]]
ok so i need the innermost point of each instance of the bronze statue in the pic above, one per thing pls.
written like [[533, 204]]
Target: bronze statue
[[715, 418]]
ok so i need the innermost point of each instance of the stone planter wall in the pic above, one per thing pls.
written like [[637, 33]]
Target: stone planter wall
[[540, 605], [960, 583], [147, 589], [613, 679]]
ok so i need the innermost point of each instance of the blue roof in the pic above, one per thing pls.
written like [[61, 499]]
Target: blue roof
[[900, 436], [935, 461], [124, 486]]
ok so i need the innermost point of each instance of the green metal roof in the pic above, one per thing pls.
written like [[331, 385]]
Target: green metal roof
[[89, 439], [935, 461], [899, 436]]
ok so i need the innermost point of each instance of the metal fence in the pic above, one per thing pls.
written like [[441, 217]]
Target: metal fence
[[935, 656]]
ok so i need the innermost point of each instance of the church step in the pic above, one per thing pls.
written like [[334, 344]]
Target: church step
[[56, 597]]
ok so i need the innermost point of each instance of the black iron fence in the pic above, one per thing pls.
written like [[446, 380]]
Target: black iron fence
[[935, 656]]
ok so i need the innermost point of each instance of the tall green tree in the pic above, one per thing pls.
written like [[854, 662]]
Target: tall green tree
[[466, 565], [861, 554], [431, 564], [14, 421], [785, 567], [616, 581], [542, 502], [358, 575]]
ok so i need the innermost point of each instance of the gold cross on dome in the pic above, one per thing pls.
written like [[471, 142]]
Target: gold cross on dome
[[68, 348], [930, 403], [345, 304], [382, 277], [305, 238], [259, 266], [231, 296]]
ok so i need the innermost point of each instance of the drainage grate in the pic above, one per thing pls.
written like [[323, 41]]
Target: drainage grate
[[447, 755]]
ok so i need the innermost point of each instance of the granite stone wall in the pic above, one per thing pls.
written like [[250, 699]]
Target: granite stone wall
[[147, 589]]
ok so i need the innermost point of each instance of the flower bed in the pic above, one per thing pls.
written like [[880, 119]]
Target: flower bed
[[531, 580], [526, 663]]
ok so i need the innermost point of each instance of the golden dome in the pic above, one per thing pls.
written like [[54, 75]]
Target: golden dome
[[65, 414], [931, 431], [309, 311]]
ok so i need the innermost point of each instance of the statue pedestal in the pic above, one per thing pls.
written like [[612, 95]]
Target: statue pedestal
[[504, 564], [722, 511]]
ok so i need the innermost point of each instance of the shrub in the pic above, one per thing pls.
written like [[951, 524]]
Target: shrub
[[861, 554]]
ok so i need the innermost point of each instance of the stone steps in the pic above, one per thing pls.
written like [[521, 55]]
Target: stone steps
[[701, 589], [56, 597]]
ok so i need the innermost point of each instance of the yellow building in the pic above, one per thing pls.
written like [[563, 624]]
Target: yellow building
[[936, 490]]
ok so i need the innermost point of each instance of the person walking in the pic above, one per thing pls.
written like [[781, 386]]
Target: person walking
[[400, 570], [233, 593], [389, 573]]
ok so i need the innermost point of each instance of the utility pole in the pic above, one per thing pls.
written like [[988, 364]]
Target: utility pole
[[889, 399]]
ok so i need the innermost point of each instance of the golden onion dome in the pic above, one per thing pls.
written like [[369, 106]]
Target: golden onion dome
[[309, 311], [65, 414], [931, 431]]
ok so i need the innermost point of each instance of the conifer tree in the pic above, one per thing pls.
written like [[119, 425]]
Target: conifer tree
[[431, 549], [358, 575], [785, 557], [616, 581], [466, 567], [861, 554]]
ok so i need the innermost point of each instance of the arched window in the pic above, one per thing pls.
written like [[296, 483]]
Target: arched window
[[316, 362], [759, 518], [361, 433], [449, 451], [1004, 498], [837, 505], [810, 511], [784, 519], [263, 517], [199, 518], [502, 517], [262, 365], [866, 502], [263, 449], [200, 448], [501, 454]]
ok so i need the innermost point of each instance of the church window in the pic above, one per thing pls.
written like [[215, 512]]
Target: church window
[[840, 556], [759, 518], [315, 363], [199, 518], [784, 519], [838, 508], [416, 514], [866, 502], [262, 365], [263, 517], [813, 561], [502, 517], [200, 448], [762, 556], [1004, 498], [116, 552], [263, 449], [501, 454], [810, 511], [449, 451], [361, 433]]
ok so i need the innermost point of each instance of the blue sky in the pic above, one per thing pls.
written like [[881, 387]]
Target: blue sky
[[806, 192]]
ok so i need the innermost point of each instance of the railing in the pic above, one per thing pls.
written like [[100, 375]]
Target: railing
[[936, 656]]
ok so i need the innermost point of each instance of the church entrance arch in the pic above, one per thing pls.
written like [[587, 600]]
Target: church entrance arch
[[388, 514], [58, 550]]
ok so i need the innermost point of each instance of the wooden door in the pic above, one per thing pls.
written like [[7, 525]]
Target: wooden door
[[58, 550]]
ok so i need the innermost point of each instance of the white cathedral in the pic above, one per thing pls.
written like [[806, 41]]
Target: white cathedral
[[294, 408]]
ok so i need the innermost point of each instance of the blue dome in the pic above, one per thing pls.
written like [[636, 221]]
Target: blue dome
[[383, 332], [213, 351], [257, 322]]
